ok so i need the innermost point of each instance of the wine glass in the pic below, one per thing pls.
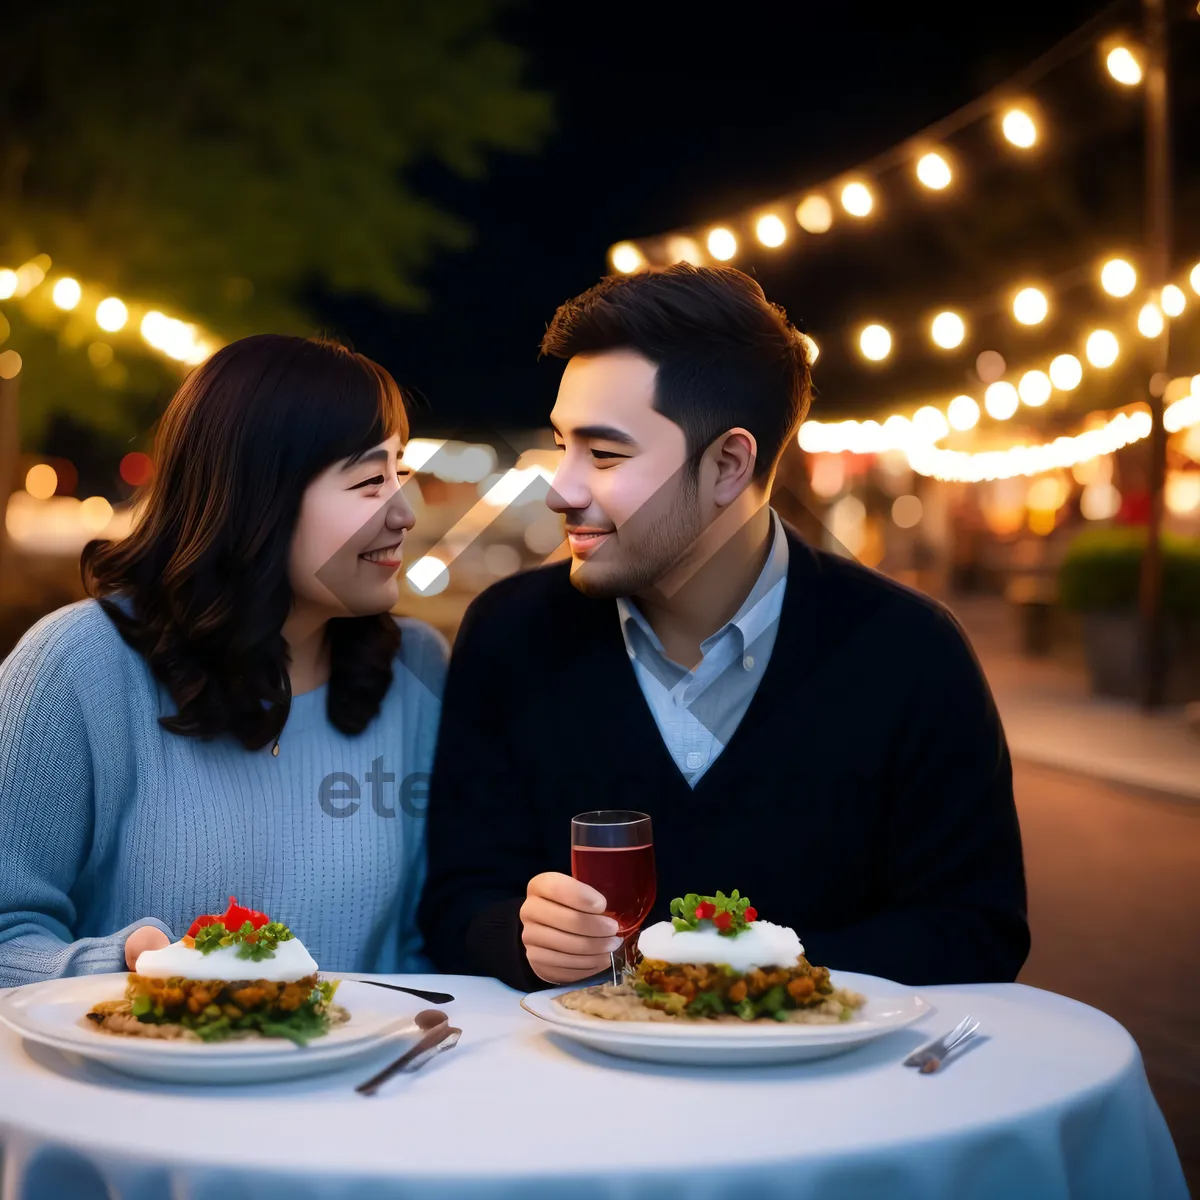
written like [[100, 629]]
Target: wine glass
[[613, 851]]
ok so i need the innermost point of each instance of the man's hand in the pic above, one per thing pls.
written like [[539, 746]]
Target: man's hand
[[145, 937], [566, 934]]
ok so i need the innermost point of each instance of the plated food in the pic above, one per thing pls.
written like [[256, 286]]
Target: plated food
[[234, 975], [715, 961]]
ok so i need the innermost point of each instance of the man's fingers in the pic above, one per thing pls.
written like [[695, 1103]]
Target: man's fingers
[[570, 893], [537, 910], [568, 943], [555, 967]]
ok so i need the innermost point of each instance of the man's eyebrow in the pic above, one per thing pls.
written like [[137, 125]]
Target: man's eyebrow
[[602, 433], [378, 454]]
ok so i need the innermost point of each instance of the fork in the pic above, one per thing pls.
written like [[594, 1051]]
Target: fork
[[929, 1056]]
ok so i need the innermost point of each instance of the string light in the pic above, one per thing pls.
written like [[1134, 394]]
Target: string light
[[684, 249], [1066, 372], [1150, 320], [928, 424], [66, 293], [1030, 306], [771, 230], [1102, 348], [857, 199], [960, 466], [1001, 400], [933, 171], [177, 340], [111, 315], [963, 413], [1035, 388], [1123, 66], [875, 342], [626, 258], [1019, 128], [947, 330], [814, 214], [722, 244], [1118, 277], [1173, 300]]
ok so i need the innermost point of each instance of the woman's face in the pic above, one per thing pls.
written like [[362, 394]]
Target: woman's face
[[346, 548]]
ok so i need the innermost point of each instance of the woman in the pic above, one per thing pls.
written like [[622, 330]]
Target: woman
[[234, 711]]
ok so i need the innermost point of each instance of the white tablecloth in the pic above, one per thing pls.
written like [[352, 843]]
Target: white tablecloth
[[1053, 1104]]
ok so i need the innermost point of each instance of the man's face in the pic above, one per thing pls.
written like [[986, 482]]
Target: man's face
[[631, 507]]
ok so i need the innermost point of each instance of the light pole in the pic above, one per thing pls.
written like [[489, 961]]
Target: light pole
[[1158, 255]]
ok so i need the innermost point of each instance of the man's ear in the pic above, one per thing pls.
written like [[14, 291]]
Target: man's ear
[[734, 454]]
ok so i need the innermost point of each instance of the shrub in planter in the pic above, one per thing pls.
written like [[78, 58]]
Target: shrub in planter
[[1100, 577]]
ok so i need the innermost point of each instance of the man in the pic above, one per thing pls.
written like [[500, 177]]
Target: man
[[797, 726]]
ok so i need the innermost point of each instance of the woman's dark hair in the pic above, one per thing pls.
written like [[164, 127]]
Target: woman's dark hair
[[204, 574], [725, 355]]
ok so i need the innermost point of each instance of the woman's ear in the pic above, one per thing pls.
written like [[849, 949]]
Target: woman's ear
[[734, 455]]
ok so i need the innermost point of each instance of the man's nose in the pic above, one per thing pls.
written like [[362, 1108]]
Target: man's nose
[[568, 492]]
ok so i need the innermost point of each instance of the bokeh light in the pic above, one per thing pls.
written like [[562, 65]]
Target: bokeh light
[[626, 258], [1173, 300], [934, 171], [1102, 348], [8, 283], [990, 365], [1030, 306], [111, 314], [857, 199], [907, 511], [95, 513], [1118, 277], [814, 214], [67, 293], [136, 468], [1019, 128], [1150, 320], [1099, 502], [1066, 372], [948, 330], [722, 244], [875, 342], [1034, 388], [41, 481], [1123, 66], [963, 413], [770, 230], [1001, 400]]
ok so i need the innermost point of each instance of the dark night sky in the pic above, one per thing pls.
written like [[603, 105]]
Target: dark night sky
[[667, 114]]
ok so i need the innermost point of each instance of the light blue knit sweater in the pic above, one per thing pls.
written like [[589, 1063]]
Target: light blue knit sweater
[[106, 819]]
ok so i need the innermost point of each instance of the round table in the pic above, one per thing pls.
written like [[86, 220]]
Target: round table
[[1052, 1101]]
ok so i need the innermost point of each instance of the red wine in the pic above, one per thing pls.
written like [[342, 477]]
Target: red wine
[[623, 875]]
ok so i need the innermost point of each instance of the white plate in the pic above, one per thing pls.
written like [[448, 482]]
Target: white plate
[[890, 1006], [53, 1013]]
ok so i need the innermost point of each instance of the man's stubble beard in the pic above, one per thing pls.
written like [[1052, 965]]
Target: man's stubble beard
[[646, 554]]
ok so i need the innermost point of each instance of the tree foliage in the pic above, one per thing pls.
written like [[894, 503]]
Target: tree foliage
[[219, 160]]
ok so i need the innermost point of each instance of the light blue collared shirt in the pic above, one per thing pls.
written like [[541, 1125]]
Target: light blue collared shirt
[[698, 711]]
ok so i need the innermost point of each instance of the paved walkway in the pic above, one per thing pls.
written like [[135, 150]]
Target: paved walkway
[[1051, 718]]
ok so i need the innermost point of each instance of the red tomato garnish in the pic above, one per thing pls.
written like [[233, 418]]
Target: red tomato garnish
[[234, 917], [723, 920], [704, 910], [751, 914]]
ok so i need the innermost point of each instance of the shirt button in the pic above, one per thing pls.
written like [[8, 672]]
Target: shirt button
[[748, 662], [695, 760]]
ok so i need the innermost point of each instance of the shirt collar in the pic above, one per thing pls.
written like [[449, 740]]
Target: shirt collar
[[760, 608]]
